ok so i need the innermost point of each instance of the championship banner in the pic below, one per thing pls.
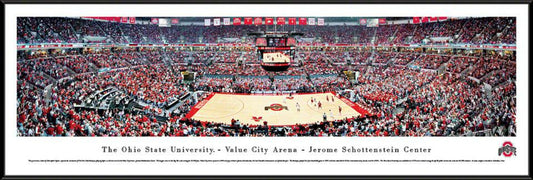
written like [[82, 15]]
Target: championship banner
[[302, 21], [433, 19], [132, 20], [416, 20], [124, 19], [280, 21], [311, 21], [292, 21], [155, 21], [320, 21], [207, 22], [269, 21], [226, 21], [258, 21], [216, 22], [425, 19], [174, 21], [248, 21], [382, 21], [442, 18], [236, 21], [362, 21]]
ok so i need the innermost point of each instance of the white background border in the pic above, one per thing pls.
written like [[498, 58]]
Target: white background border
[[19, 149]]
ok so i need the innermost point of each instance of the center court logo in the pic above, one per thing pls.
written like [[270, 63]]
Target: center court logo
[[507, 149], [276, 107]]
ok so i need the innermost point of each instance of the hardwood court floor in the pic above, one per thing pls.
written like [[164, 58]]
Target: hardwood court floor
[[223, 107]]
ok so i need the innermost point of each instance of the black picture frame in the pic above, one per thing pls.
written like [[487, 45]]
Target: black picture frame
[[264, 176]]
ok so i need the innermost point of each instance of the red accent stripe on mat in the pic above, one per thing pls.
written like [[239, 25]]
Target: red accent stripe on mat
[[355, 106], [198, 106]]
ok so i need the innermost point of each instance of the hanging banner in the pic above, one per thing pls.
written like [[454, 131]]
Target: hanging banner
[[311, 21], [320, 21], [227, 21], [216, 22], [174, 21], [236, 21], [416, 20], [258, 21], [280, 21], [248, 21], [425, 19], [442, 18], [269, 21], [155, 21], [132, 20], [124, 19], [292, 21], [302, 21], [207, 22], [382, 21], [362, 21]]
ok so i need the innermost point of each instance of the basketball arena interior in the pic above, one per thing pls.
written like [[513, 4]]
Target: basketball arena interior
[[266, 76]]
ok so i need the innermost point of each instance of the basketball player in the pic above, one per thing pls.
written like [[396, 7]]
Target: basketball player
[[319, 105], [340, 110], [332, 99], [298, 107], [327, 98]]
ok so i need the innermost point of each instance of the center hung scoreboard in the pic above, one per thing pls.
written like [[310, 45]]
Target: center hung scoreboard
[[276, 50]]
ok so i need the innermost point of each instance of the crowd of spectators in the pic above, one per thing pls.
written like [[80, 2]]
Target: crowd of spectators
[[221, 69], [87, 28], [113, 32], [250, 57], [253, 70], [106, 59], [487, 64], [384, 34], [291, 83], [35, 68], [405, 58], [402, 101], [359, 57], [78, 63], [214, 83], [382, 57], [489, 30], [28, 72], [247, 84], [320, 68], [337, 57], [327, 83], [153, 55], [156, 85], [431, 61], [226, 57]]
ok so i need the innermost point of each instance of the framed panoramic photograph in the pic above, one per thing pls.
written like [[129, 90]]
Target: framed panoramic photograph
[[266, 91]]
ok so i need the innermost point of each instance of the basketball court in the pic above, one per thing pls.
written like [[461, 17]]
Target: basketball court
[[275, 109]]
